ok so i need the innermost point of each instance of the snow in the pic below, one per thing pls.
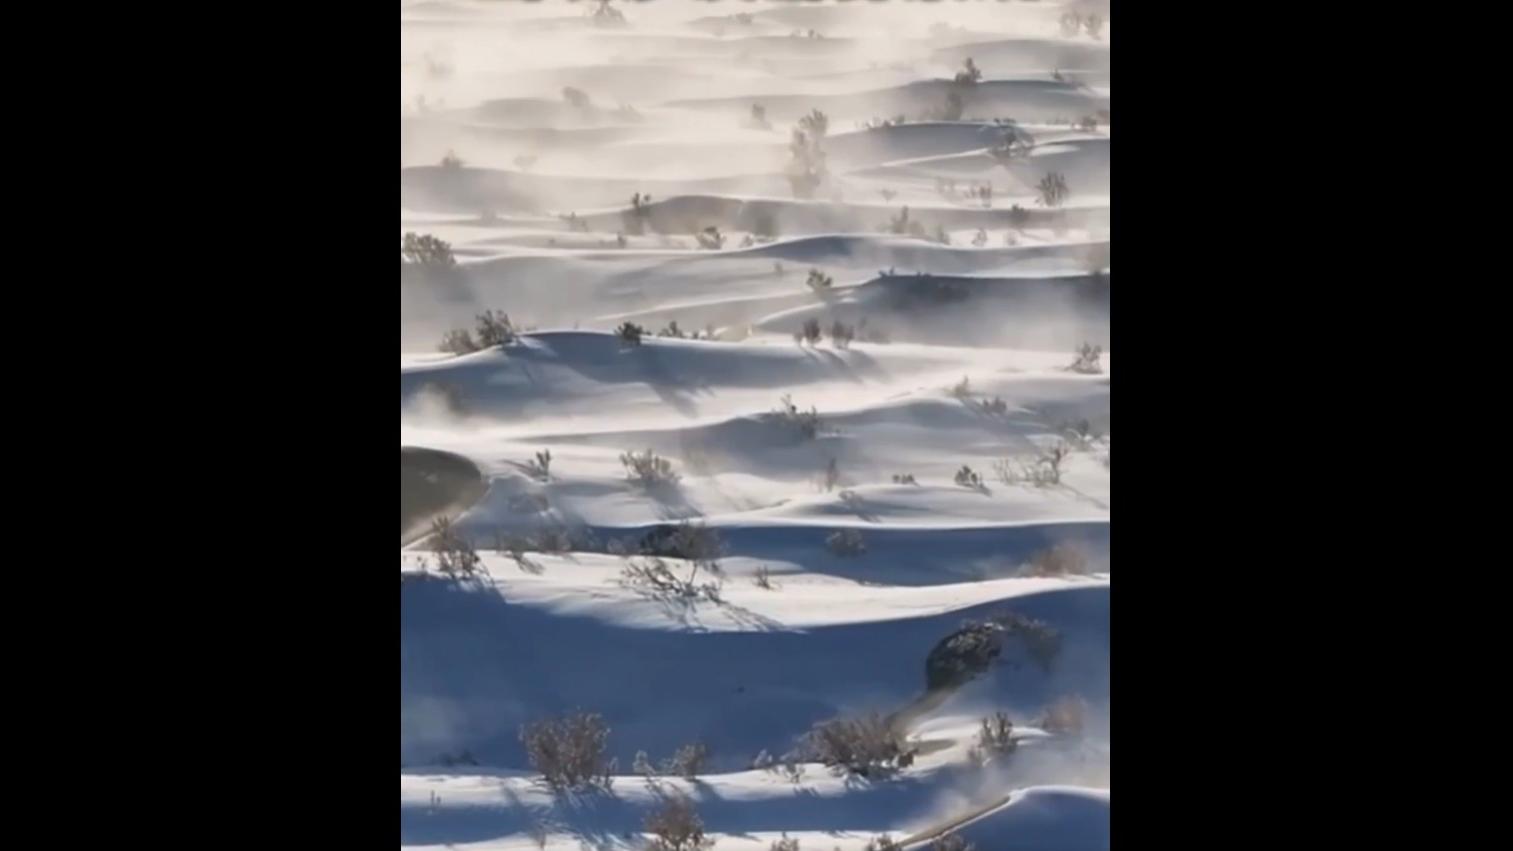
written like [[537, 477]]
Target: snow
[[824, 633]]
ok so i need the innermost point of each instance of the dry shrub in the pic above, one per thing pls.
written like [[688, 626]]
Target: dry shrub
[[865, 745], [570, 752], [676, 826]]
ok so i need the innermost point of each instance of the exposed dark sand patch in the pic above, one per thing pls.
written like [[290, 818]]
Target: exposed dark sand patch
[[433, 484]]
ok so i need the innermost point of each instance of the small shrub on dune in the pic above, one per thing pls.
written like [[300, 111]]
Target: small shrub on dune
[[648, 469], [1071, 24], [969, 74], [963, 389], [980, 239], [866, 745], [1044, 471], [672, 330], [806, 167], [1082, 433], [570, 752], [451, 162], [693, 542], [576, 98], [841, 335], [819, 282], [763, 579], [1059, 560], [995, 740], [758, 120], [806, 423], [971, 650], [883, 843], [968, 478], [831, 478], [629, 334], [687, 762], [676, 826], [847, 543], [810, 332], [453, 553], [1093, 23], [1089, 360], [495, 329], [458, 342], [784, 844], [426, 252], [1052, 190], [904, 479], [654, 575], [1019, 217], [541, 466], [639, 213]]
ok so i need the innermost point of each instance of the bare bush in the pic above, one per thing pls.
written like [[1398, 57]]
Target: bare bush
[[865, 745], [570, 752], [1064, 717], [1083, 434], [629, 333], [963, 389], [758, 120], [654, 575], [1043, 472], [968, 478], [576, 98], [810, 333], [784, 844], [451, 162], [636, 218], [980, 239], [541, 466], [495, 329], [806, 166], [995, 740], [819, 282], [841, 335], [458, 342], [969, 74], [904, 479], [902, 225], [1059, 560], [763, 579], [687, 762], [805, 423], [676, 826], [883, 843], [648, 469], [994, 407], [693, 542], [1052, 190], [846, 543], [453, 553], [426, 252], [1089, 360]]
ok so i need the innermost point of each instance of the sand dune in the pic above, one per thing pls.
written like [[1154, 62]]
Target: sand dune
[[934, 451]]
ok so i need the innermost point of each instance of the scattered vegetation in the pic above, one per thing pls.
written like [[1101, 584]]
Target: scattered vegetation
[[648, 469], [784, 844], [686, 762], [904, 479], [846, 543], [653, 574], [570, 752], [1044, 471]]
